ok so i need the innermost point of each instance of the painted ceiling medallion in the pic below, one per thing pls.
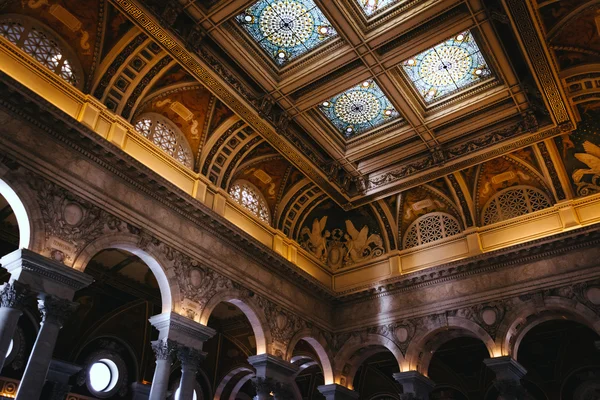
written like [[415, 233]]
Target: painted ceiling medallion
[[359, 109], [370, 7], [286, 29], [447, 68]]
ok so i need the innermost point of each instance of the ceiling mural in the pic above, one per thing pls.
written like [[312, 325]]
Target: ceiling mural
[[421, 201], [359, 109], [80, 24], [188, 108], [572, 29], [352, 144], [286, 29], [499, 176], [117, 26], [451, 66], [580, 151], [339, 238]]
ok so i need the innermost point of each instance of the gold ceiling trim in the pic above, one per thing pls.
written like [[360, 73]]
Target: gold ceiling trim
[[181, 54], [524, 25]]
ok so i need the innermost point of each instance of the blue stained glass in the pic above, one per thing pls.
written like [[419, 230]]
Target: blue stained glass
[[370, 7], [286, 29], [448, 67], [359, 109]]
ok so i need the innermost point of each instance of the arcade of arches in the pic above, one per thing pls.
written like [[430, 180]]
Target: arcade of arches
[[300, 199]]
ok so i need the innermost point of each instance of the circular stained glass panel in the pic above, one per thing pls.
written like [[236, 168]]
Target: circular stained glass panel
[[445, 65], [286, 23], [357, 107]]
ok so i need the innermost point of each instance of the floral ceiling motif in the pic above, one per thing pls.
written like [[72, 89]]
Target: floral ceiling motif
[[286, 29], [370, 7], [447, 68], [359, 109]]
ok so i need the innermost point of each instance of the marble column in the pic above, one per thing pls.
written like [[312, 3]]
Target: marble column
[[414, 385], [508, 377], [164, 350], [184, 333], [140, 391], [337, 392], [13, 297], [275, 375], [54, 312], [59, 374], [264, 388], [190, 360]]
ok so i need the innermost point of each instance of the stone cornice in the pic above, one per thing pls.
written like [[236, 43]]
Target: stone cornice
[[80, 138], [484, 263]]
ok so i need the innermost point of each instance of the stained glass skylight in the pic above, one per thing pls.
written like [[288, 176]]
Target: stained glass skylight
[[359, 109], [370, 7], [450, 66], [286, 29]]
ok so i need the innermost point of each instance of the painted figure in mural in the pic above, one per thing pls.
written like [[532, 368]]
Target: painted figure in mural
[[591, 158], [316, 241]]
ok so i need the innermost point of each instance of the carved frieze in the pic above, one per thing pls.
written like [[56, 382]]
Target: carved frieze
[[70, 222]]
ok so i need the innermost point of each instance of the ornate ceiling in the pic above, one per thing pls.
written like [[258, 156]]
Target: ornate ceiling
[[362, 124]]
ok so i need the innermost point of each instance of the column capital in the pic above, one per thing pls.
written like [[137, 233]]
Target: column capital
[[15, 295], [56, 310], [268, 366], [184, 331], [508, 376], [414, 385], [190, 358], [337, 392], [505, 367], [44, 275], [164, 349]]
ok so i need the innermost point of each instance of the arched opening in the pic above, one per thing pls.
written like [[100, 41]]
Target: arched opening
[[310, 372], [374, 379], [229, 349], [109, 336], [15, 227], [562, 361], [458, 370]]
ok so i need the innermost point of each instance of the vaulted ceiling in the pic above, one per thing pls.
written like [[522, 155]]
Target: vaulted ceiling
[[369, 113]]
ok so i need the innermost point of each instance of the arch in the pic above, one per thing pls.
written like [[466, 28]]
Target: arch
[[228, 378], [27, 212], [513, 202], [164, 134], [238, 386], [44, 45], [346, 366], [169, 289], [251, 198], [248, 306], [429, 228], [319, 346], [515, 325], [427, 341], [20, 212]]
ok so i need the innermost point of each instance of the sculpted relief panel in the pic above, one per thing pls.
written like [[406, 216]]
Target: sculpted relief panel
[[358, 239]]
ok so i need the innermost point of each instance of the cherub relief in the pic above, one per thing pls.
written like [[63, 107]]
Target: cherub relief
[[316, 242], [591, 158], [359, 243]]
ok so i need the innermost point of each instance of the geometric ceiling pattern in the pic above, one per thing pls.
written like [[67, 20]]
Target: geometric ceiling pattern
[[359, 109], [448, 67], [370, 7], [286, 29]]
